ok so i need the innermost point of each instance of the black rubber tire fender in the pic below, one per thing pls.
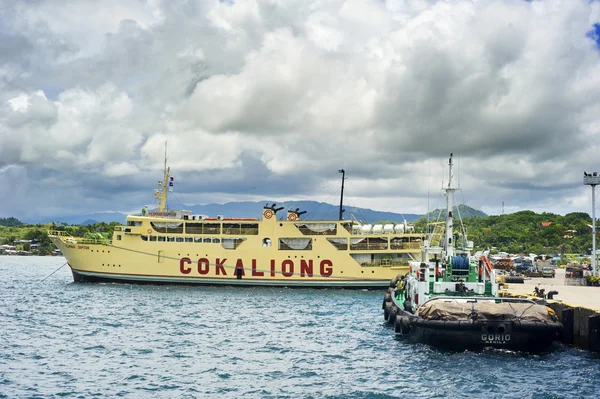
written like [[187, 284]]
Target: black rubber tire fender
[[393, 314], [386, 311], [398, 324], [387, 297], [401, 325]]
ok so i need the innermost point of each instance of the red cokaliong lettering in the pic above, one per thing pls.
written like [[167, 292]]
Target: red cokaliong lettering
[[287, 268], [219, 268], [203, 266], [239, 265], [182, 263], [256, 273], [326, 268], [306, 268]]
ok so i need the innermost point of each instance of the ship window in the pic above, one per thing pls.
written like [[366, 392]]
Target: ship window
[[197, 239], [231, 228], [119, 237], [339, 243], [144, 238], [240, 228], [189, 239], [152, 238], [370, 243], [212, 228], [347, 226], [161, 238], [170, 239], [134, 223], [231, 243], [295, 243], [317, 228], [207, 240], [266, 242], [406, 242], [249, 229], [170, 227], [216, 240], [193, 228], [179, 239]]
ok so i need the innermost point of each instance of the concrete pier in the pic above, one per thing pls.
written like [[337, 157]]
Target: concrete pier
[[578, 308]]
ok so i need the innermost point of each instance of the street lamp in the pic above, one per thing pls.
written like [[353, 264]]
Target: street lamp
[[343, 172], [592, 179]]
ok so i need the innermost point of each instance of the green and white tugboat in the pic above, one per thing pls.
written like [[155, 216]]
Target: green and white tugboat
[[451, 298]]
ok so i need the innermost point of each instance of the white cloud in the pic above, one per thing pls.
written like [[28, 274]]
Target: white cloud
[[279, 95]]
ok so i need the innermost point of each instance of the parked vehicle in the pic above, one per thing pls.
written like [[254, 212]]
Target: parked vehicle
[[548, 271]]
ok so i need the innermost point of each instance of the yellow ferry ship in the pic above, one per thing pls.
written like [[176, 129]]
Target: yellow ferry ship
[[177, 247]]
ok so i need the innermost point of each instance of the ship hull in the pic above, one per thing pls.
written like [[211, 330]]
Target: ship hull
[[95, 277], [143, 262], [518, 336]]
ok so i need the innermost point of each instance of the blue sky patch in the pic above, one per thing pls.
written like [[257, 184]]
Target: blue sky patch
[[594, 34]]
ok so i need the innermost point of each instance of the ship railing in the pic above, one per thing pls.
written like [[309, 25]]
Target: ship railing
[[58, 233], [386, 263], [406, 245], [94, 241], [364, 246], [382, 245], [312, 232], [249, 231]]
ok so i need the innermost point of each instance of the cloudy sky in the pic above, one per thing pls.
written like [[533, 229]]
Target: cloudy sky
[[268, 99]]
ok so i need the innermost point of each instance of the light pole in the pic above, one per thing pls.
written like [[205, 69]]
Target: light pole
[[343, 172], [592, 179]]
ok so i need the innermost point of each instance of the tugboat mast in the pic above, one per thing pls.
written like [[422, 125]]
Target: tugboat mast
[[449, 197]]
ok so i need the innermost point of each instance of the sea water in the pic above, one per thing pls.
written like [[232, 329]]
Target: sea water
[[79, 340]]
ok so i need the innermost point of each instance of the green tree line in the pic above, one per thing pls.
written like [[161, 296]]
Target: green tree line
[[12, 232], [529, 232]]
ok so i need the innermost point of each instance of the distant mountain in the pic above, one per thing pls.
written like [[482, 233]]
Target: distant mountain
[[83, 219], [465, 212], [315, 211], [87, 222]]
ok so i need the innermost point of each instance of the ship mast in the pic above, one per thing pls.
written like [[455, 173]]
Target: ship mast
[[162, 194], [449, 197]]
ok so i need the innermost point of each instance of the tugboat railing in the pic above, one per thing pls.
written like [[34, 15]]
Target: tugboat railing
[[475, 299]]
